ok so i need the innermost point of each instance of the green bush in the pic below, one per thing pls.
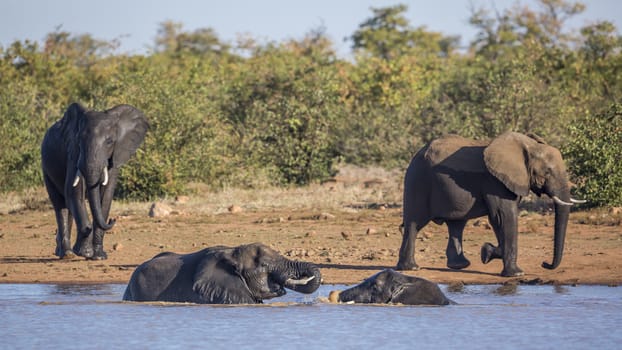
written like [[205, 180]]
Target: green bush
[[282, 105], [283, 113], [186, 140], [593, 154]]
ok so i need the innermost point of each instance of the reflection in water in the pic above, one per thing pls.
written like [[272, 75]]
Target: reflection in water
[[82, 289], [456, 287], [508, 288], [560, 289]]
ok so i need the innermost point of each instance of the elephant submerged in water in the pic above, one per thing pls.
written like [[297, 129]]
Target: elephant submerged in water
[[246, 274], [389, 286], [453, 179], [81, 155]]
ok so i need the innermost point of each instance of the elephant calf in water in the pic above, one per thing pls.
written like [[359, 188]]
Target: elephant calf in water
[[389, 286], [246, 274]]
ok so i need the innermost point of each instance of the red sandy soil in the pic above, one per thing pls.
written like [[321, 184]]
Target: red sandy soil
[[349, 246]]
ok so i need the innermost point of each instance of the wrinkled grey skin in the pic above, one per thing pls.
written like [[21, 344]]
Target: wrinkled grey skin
[[246, 274], [80, 145], [452, 180], [389, 286]]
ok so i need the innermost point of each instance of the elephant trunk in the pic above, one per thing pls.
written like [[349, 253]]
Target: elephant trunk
[[96, 209], [306, 279], [562, 213]]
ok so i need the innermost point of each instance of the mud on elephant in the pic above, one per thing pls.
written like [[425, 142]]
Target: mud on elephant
[[391, 287], [453, 179], [80, 156], [246, 274]]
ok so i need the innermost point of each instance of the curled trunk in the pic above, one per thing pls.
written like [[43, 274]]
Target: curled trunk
[[306, 279], [96, 209]]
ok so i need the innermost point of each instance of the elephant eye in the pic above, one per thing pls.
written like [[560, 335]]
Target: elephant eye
[[109, 141]]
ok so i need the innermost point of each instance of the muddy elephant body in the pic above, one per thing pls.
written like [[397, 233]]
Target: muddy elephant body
[[81, 155], [392, 287], [453, 179], [246, 274]]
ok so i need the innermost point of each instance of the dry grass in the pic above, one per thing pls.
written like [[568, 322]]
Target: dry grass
[[31, 199], [352, 188], [600, 216]]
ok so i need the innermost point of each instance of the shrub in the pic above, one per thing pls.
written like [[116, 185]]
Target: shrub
[[593, 155]]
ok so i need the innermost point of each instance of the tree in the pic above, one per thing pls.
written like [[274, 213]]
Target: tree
[[388, 35], [82, 50], [601, 62], [172, 39]]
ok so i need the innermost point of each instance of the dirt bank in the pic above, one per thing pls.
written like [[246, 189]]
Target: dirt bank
[[348, 243]]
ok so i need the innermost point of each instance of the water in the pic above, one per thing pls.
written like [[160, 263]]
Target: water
[[36, 316]]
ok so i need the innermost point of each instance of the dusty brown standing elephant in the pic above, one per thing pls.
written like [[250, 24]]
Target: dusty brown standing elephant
[[453, 179]]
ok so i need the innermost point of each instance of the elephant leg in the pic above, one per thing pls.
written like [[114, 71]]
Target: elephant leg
[[84, 234], [490, 252], [98, 245], [63, 221], [107, 193], [504, 222], [454, 251], [63, 235], [407, 250], [84, 243]]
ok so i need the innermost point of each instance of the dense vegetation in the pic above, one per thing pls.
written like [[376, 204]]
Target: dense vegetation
[[254, 114]]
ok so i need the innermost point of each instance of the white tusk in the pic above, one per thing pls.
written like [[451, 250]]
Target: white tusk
[[294, 282], [105, 176], [578, 201], [561, 202], [77, 179]]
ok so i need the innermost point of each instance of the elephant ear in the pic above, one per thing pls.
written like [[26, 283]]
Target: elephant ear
[[505, 159], [217, 280], [132, 127]]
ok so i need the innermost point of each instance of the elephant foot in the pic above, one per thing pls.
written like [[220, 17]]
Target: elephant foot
[[409, 265], [84, 250], [489, 252], [458, 263], [67, 255], [512, 272], [99, 254], [63, 249]]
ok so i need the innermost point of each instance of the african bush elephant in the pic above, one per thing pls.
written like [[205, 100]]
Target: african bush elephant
[[81, 154], [453, 179], [246, 274], [389, 286]]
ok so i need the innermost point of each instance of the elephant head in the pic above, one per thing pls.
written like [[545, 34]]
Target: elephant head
[[524, 163], [389, 286], [106, 140], [221, 275]]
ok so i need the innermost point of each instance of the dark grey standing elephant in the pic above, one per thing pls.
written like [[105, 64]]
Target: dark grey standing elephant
[[453, 179], [81, 155], [246, 274], [391, 287]]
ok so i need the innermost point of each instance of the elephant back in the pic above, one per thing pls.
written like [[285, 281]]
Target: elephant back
[[457, 153]]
